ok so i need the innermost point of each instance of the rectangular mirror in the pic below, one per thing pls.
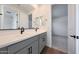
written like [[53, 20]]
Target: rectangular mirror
[[8, 18], [15, 16]]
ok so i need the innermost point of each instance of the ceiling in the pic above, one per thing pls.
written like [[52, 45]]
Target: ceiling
[[24, 7], [28, 7]]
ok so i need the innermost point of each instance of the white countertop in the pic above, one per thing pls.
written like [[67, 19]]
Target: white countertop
[[11, 39]]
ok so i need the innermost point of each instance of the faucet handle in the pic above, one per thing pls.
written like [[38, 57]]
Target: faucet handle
[[36, 29], [22, 30]]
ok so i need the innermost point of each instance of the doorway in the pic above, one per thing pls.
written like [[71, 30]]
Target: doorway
[[60, 27]]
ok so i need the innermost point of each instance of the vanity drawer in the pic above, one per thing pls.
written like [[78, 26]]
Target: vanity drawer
[[29, 41], [16, 47], [30, 49], [4, 50], [42, 41]]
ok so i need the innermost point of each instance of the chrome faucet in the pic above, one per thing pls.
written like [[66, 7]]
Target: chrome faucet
[[22, 30], [36, 29]]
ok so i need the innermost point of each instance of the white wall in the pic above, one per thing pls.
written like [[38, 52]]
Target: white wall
[[23, 20], [41, 11], [49, 33], [45, 11]]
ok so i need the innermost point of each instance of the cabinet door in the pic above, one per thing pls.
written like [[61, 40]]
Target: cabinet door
[[33, 48], [4, 50], [26, 50], [23, 51], [12, 49], [30, 49], [20, 45], [42, 41]]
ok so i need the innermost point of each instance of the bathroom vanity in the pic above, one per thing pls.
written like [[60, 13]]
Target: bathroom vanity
[[31, 45], [17, 35]]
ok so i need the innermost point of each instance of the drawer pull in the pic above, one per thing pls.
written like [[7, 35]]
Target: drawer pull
[[30, 50], [43, 39]]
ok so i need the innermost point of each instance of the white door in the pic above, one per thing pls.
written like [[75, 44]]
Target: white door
[[71, 28], [77, 28]]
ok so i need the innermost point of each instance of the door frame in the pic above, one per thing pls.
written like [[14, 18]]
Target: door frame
[[77, 28], [76, 15], [73, 23]]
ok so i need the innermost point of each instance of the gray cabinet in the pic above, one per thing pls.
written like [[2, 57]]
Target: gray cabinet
[[14, 48], [33, 45], [42, 41], [4, 50], [23, 51], [30, 49]]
